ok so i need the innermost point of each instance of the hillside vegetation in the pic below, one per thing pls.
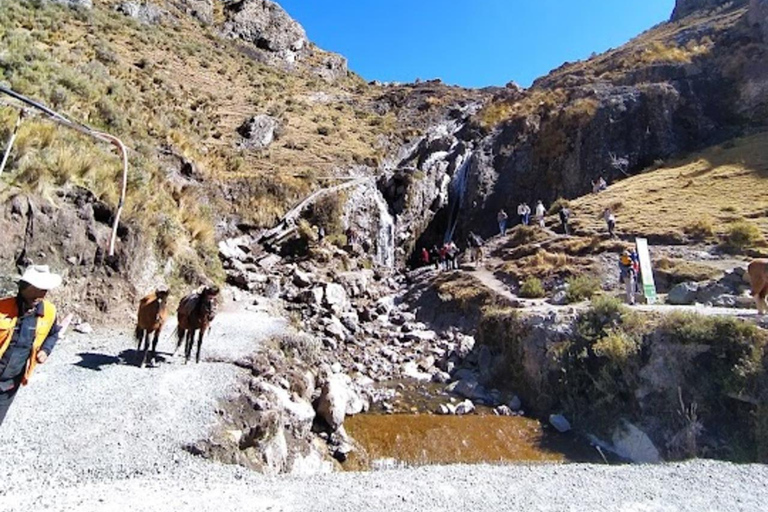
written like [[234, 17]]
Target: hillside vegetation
[[174, 93]]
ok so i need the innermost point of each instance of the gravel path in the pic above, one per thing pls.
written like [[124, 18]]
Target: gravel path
[[92, 433]]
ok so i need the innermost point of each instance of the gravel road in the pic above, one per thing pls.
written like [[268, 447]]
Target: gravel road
[[94, 433]]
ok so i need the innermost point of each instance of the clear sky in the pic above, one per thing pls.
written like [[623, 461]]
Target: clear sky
[[473, 43]]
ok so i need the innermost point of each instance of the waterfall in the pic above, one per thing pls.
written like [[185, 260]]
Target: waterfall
[[385, 236], [457, 195]]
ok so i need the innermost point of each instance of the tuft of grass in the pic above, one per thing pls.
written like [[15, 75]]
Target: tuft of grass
[[742, 235], [532, 288], [700, 229], [581, 288]]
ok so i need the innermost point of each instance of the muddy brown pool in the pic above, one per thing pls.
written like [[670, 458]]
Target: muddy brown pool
[[422, 439]]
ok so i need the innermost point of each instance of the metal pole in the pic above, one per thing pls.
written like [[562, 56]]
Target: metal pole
[[11, 140], [105, 137]]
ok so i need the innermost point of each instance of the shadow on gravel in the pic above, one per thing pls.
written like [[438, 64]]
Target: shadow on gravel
[[96, 362]]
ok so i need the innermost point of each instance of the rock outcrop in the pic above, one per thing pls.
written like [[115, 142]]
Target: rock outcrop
[[143, 12], [685, 7], [200, 9], [267, 26], [85, 4]]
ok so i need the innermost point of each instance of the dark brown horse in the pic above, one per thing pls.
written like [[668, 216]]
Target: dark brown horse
[[153, 311], [196, 312]]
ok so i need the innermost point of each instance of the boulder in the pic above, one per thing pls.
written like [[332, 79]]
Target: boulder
[[336, 329], [200, 9], [333, 67], [515, 404], [333, 401], [683, 294], [312, 297], [302, 279], [336, 298], [411, 371], [464, 345], [143, 12], [559, 422], [503, 410], [465, 407], [267, 26], [633, 444], [258, 132]]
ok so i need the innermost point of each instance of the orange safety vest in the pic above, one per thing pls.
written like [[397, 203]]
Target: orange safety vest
[[9, 315]]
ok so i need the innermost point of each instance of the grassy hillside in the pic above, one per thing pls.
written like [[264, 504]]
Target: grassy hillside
[[710, 195], [172, 92]]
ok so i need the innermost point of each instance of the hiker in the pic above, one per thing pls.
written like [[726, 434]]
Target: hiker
[[565, 214], [501, 218], [610, 221], [320, 234], [452, 252], [628, 275], [424, 256], [443, 252], [521, 213], [540, 211], [601, 184], [526, 214], [434, 256], [28, 331], [475, 244]]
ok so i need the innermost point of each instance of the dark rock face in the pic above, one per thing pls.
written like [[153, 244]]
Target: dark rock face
[[267, 26], [685, 7]]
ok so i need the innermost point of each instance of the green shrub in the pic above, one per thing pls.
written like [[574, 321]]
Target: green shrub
[[532, 288], [581, 288], [617, 345], [742, 235]]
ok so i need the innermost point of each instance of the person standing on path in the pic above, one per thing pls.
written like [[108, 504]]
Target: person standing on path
[[521, 213], [565, 214], [610, 221], [501, 218], [527, 214], [28, 331], [540, 211]]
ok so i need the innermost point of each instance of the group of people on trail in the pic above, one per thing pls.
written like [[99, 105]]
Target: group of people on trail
[[524, 212], [444, 257]]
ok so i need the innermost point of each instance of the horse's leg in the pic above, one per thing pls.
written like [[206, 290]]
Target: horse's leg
[[145, 349], [188, 345], [180, 337], [199, 343], [762, 300], [153, 357]]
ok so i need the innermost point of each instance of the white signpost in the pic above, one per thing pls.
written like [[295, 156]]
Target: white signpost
[[649, 287]]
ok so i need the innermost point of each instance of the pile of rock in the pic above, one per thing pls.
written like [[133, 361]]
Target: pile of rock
[[731, 291]]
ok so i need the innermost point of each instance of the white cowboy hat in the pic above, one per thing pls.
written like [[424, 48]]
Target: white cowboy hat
[[40, 276]]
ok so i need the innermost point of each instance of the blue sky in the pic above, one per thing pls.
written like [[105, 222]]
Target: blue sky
[[473, 43]]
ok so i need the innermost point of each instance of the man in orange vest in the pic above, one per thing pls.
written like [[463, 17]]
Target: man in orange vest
[[28, 331]]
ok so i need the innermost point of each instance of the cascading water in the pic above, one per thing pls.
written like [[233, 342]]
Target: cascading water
[[457, 195], [385, 236]]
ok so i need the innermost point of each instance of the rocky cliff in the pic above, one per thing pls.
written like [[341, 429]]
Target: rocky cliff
[[684, 8]]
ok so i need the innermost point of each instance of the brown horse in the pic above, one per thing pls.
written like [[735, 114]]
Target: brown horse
[[152, 314], [196, 312], [758, 279]]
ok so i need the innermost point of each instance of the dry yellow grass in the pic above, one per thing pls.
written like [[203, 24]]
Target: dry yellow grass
[[725, 184]]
